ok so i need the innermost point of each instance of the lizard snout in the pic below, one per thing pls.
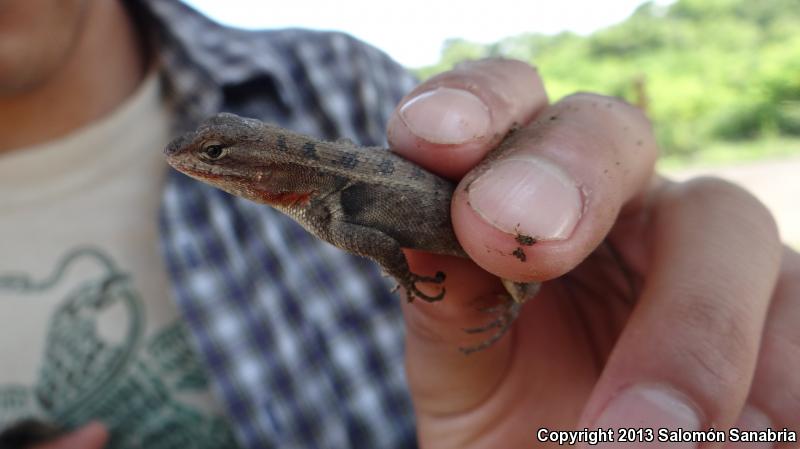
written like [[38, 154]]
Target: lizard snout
[[177, 145]]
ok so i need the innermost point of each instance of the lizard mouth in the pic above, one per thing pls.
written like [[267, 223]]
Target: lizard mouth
[[245, 186], [192, 170], [203, 175], [230, 182]]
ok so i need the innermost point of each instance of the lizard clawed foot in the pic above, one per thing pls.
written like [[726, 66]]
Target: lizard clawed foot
[[507, 313], [412, 291]]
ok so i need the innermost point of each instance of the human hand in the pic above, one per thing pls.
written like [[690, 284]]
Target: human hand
[[670, 305]]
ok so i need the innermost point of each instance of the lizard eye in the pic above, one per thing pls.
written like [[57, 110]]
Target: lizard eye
[[212, 151]]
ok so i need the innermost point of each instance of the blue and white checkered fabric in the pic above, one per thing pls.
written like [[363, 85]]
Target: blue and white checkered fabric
[[304, 343]]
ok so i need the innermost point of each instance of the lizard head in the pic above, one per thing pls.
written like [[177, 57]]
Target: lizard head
[[218, 152], [228, 152], [212, 139]]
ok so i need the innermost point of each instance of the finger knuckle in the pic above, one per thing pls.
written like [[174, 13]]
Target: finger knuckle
[[723, 345], [716, 195], [632, 128]]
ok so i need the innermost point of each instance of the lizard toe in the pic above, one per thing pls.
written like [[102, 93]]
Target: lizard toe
[[411, 286], [507, 312], [425, 297]]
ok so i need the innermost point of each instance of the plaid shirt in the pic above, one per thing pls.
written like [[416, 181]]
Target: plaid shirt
[[303, 342]]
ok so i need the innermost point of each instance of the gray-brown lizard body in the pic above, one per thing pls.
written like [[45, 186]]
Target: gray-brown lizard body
[[368, 201]]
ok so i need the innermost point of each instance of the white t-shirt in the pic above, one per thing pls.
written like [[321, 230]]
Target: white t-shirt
[[87, 328]]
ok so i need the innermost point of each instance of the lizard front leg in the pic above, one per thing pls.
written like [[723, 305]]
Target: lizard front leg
[[384, 250]]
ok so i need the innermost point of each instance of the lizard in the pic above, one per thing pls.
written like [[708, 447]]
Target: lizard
[[365, 200]]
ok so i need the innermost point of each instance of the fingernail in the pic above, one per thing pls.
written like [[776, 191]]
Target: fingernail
[[528, 196], [751, 419], [446, 116], [649, 407]]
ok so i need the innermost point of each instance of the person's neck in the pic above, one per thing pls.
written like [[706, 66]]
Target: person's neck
[[105, 67]]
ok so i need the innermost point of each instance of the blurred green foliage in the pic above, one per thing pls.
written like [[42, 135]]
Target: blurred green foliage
[[706, 71]]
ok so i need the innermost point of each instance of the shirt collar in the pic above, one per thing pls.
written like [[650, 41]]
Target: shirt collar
[[199, 58]]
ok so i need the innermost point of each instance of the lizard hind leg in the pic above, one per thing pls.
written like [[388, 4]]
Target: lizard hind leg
[[518, 293], [505, 315]]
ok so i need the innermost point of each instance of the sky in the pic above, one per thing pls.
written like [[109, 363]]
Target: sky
[[413, 31]]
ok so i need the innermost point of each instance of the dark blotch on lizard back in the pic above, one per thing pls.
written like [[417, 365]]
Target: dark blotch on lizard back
[[386, 167], [355, 199], [281, 143], [520, 254], [348, 160], [310, 151], [417, 173]]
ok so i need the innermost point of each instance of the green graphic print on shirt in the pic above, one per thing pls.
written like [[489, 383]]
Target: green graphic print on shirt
[[133, 384]]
